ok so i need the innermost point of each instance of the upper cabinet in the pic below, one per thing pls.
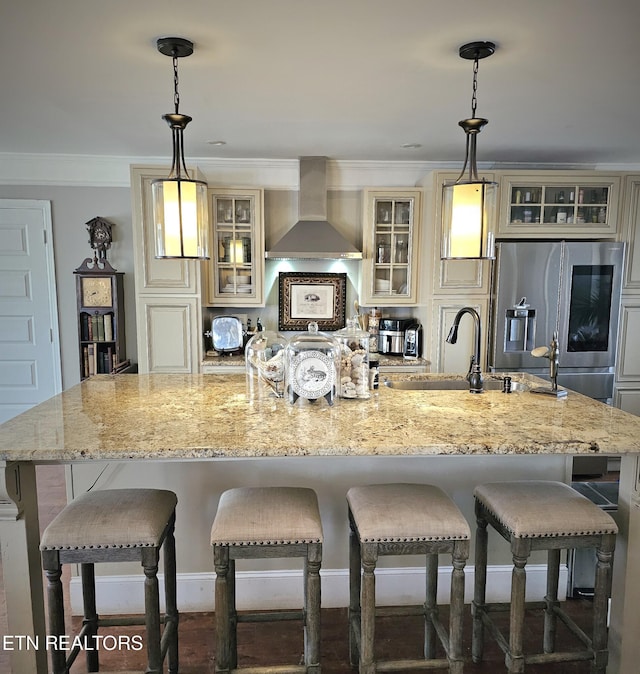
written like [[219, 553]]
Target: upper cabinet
[[391, 232], [235, 273], [155, 276], [548, 204]]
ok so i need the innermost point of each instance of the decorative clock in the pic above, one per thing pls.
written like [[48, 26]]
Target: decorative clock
[[100, 236], [96, 291]]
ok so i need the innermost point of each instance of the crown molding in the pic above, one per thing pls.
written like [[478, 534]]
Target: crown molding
[[113, 171]]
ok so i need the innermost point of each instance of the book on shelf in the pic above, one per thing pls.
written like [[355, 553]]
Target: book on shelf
[[94, 327], [119, 367], [100, 326], [108, 327], [84, 326], [91, 357]]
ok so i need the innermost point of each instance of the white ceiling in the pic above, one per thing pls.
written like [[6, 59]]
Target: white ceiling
[[348, 79]]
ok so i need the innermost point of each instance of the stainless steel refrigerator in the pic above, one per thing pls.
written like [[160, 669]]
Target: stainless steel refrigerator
[[569, 287]]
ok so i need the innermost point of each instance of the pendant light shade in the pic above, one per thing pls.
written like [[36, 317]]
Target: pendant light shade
[[181, 218], [469, 203], [467, 207], [180, 209]]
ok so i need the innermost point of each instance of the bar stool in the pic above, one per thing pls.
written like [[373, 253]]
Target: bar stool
[[539, 515], [405, 519], [114, 525], [263, 523]]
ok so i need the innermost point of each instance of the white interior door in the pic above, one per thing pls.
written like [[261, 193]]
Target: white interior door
[[29, 341]]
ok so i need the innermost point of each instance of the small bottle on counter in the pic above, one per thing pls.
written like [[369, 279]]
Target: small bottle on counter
[[374, 374], [374, 329]]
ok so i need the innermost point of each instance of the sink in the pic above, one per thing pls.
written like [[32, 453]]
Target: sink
[[448, 385]]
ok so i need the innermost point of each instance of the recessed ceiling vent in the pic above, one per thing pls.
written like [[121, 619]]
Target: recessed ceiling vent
[[313, 237]]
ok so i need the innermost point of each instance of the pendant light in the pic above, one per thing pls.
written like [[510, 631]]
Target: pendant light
[[469, 203], [179, 204]]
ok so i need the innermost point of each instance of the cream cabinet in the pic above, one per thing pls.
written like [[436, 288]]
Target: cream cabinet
[[446, 357], [627, 389], [168, 303], [234, 276], [169, 326], [554, 204], [455, 277], [391, 241], [155, 276]]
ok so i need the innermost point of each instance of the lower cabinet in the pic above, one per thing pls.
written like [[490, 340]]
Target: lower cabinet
[[627, 399], [168, 327], [455, 358], [627, 393]]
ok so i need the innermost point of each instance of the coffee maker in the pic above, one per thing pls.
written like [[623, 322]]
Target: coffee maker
[[412, 341], [400, 337]]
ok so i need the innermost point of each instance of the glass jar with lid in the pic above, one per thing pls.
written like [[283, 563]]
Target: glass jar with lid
[[264, 360], [354, 361], [312, 366]]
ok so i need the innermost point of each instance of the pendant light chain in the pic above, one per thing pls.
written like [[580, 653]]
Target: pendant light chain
[[474, 96], [176, 95]]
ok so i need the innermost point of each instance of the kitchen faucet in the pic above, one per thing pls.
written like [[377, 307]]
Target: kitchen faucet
[[552, 353], [474, 376]]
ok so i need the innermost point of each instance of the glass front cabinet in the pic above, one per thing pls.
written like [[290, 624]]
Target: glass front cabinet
[[234, 274], [390, 247], [535, 204]]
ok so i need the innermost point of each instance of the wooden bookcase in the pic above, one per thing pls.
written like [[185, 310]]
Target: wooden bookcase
[[100, 306]]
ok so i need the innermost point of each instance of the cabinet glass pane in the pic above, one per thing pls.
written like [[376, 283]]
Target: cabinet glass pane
[[393, 241], [235, 243], [559, 204]]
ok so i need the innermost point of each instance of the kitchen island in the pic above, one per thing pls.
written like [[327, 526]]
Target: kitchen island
[[210, 418]]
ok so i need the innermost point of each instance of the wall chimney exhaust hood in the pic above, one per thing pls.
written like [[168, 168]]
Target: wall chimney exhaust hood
[[313, 237]]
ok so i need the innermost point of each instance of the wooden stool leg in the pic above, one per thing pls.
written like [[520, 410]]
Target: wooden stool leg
[[601, 594], [152, 610], [456, 652], [312, 562], [430, 606], [233, 615], [53, 571], [87, 572], [369, 552], [221, 564], [170, 594], [515, 657], [551, 601], [480, 586], [355, 585]]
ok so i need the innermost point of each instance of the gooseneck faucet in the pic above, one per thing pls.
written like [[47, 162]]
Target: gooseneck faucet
[[474, 376]]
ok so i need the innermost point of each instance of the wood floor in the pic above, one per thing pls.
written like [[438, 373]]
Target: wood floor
[[260, 644]]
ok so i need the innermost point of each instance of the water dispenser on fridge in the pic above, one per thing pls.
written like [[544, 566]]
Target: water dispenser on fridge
[[520, 327]]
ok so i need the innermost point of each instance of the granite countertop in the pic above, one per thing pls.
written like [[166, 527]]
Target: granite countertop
[[203, 416], [384, 360]]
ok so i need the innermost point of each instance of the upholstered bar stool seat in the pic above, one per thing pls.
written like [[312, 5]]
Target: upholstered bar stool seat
[[266, 522], [115, 525], [405, 519], [540, 515]]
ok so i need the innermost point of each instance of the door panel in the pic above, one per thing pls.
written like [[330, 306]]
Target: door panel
[[29, 344]]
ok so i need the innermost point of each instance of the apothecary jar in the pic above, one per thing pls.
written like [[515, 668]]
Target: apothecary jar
[[264, 360], [354, 361], [312, 366]]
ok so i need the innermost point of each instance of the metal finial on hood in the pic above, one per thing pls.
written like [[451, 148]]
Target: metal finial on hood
[[313, 236]]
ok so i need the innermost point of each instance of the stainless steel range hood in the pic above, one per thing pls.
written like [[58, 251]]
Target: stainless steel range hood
[[313, 237]]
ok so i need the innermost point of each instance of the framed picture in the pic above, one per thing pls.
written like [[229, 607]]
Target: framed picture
[[306, 298]]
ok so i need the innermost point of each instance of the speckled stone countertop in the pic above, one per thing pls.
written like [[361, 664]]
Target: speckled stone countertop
[[383, 359], [206, 416]]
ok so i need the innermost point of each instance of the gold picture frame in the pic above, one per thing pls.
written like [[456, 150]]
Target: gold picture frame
[[306, 298]]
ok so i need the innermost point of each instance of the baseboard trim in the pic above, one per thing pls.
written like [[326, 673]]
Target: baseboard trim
[[264, 590]]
